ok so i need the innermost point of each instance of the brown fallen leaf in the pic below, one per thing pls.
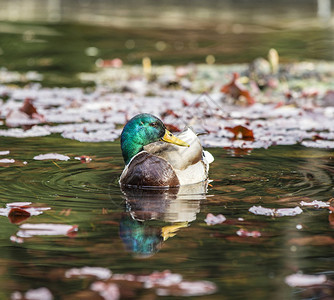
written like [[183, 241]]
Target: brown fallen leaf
[[17, 215], [235, 89], [29, 109], [241, 132], [172, 128]]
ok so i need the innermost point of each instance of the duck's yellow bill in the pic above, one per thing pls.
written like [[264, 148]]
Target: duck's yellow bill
[[171, 138]]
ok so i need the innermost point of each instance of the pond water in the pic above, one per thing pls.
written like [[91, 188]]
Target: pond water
[[133, 234], [35, 46], [253, 232]]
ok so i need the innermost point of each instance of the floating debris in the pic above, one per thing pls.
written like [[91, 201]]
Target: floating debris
[[246, 233], [315, 204], [100, 273], [84, 158], [7, 161], [29, 230], [281, 212], [33, 294], [21, 133], [52, 156], [303, 280], [214, 220], [108, 291], [94, 116], [17, 212], [165, 283]]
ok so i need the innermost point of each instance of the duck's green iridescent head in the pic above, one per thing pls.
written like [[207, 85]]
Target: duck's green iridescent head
[[142, 130]]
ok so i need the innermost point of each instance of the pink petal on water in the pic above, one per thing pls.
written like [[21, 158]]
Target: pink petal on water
[[214, 220], [246, 233], [33, 294], [100, 273], [108, 291], [189, 289]]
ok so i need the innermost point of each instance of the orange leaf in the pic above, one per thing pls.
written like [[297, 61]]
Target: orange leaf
[[29, 109], [172, 128], [241, 132], [17, 215], [235, 90]]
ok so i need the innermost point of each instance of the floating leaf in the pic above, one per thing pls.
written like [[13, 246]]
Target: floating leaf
[[18, 212], [235, 89], [28, 108], [18, 215], [173, 128], [241, 132]]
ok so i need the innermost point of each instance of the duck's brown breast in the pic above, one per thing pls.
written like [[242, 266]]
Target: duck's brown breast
[[147, 170]]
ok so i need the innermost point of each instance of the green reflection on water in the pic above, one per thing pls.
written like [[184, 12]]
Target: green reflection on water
[[127, 233], [59, 51]]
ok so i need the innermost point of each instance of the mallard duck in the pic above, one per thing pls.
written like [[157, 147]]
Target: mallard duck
[[154, 157]]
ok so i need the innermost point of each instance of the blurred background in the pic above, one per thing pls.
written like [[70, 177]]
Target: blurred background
[[60, 38]]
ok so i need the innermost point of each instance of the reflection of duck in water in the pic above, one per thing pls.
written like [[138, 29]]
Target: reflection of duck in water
[[150, 162], [175, 207]]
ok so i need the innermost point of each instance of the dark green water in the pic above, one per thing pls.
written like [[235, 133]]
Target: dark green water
[[88, 195], [61, 51]]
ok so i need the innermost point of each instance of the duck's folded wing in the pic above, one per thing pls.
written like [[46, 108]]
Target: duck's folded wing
[[147, 170], [179, 157]]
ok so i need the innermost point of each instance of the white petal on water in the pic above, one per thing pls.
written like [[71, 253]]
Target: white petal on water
[[319, 144], [315, 203], [38, 294], [259, 210], [95, 136], [108, 291], [303, 280], [214, 220], [7, 161], [98, 272], [33, 211], [52, 156], [281, 212], [189, 289], [29, 230], [20, 133]]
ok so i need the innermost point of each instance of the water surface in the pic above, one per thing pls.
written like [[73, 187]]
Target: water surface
[[139, 232]]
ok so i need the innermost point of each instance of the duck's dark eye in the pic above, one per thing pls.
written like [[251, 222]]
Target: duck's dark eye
[[154, 124]]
